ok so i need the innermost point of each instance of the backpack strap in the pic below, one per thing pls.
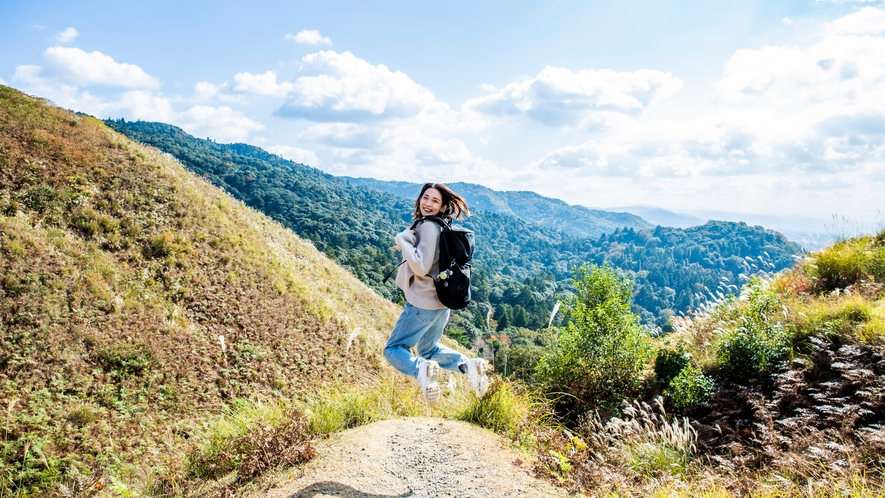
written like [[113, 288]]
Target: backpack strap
[[387, 277], [436, 219]]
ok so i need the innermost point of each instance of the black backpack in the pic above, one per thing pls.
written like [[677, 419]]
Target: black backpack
[[456, 246]]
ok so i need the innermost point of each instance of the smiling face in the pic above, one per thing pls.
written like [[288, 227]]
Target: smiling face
[[431, 202]]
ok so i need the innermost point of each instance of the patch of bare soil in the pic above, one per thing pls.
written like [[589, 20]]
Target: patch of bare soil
[[412, 457]]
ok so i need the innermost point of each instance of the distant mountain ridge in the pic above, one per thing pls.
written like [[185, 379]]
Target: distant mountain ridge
[[810, 233], [577, 221]]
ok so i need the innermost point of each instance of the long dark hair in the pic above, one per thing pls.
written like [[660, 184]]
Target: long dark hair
[[454, 207]]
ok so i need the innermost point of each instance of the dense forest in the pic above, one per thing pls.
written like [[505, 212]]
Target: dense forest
[[521, 268]]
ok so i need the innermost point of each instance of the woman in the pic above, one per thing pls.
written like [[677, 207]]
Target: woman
[[422, 321]]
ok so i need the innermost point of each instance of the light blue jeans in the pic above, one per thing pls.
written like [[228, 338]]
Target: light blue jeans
[[421, 328]]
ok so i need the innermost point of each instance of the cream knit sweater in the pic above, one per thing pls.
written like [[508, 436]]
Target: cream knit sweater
[[421, 252]]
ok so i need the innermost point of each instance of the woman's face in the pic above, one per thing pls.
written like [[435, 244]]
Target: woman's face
[[431, 202]]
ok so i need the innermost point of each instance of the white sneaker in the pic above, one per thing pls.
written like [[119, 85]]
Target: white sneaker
[[476, 373], [427, 372]]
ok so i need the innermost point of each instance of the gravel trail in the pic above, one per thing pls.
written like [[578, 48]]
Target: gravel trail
[[416, 458]]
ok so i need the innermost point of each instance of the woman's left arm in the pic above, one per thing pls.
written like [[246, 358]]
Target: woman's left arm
[[421, 256]]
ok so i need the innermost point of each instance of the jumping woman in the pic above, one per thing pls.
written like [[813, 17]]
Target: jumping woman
[[424, 316]]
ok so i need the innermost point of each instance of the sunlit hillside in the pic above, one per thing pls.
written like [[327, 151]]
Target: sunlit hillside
[[137, 299]]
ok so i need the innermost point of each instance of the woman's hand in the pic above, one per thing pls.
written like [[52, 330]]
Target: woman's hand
[[407, 236]]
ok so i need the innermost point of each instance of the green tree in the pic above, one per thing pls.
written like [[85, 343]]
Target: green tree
[[599, 357]]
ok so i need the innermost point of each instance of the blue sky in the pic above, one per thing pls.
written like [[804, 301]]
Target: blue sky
[[751, 106]]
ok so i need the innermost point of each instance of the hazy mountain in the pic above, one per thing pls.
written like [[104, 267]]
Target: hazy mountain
[[810, 233], [662, 217], [578, 221]]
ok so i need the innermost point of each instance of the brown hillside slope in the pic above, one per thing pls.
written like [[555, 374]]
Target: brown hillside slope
[[136, 298]]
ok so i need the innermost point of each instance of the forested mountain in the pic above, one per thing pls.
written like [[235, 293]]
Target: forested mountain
[[520, 267], [577, 221]]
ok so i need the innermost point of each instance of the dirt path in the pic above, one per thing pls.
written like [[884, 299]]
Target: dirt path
[[413, 457]]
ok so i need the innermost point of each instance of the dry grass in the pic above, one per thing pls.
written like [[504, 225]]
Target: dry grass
[[137, 300]]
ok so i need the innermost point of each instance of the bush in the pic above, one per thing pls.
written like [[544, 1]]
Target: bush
[[600, 356], [669, 362], [756, 342], [690, 388], [517, 362], [847, 263]]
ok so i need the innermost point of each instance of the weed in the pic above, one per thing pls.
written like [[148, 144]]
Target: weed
[[646, 441], [340, 406]]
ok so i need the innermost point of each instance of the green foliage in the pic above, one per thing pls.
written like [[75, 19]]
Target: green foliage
[[125, 358], [848, 262], [507, 409], [842, 319], [691, 387], [754, 342], [600, 356], [340, 406], [24, 464], [518, 361], [669, 362]]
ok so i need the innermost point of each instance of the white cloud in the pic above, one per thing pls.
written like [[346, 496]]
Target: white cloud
[[2, 81], [866, 21], [295, 154], [309, 37], [204, 90], [72, 66], [562, 97], [787, 21], [345, 88], [261, 84], [66, 36], [790, 124], [220, 123], [585, 156]]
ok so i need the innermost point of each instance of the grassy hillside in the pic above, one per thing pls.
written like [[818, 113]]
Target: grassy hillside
[[136, 300]]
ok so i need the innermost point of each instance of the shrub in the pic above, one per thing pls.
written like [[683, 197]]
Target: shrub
[[847, 263], [754, 342], [600, 356], [669, 362], [340, 406], [517, 362], [40, 199], [690, 388]]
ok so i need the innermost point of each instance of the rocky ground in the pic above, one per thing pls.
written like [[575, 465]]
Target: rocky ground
[[414, 457]]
